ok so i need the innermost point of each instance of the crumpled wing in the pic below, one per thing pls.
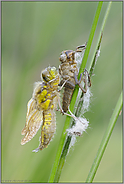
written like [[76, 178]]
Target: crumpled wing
[[34, 120]]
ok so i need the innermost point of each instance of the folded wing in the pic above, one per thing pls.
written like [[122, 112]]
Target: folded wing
[[34, 120]]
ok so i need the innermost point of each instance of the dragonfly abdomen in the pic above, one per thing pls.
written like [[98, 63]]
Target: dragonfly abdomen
[[67, 95], [48, 128]]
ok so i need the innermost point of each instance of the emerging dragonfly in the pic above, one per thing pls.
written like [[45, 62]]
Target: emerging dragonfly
[[40, 109], [69, 71]]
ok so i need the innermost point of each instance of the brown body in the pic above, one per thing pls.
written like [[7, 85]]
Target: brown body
[[69, 71]]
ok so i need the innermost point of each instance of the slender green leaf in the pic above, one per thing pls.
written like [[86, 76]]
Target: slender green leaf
[[105, 139]]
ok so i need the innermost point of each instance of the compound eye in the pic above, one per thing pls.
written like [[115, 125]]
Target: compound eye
[[62, 57], [53, 68], [53, 72], [67, 54], [45, 75]]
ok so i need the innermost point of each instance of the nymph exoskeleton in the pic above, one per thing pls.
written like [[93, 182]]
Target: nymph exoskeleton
[[69, 72]]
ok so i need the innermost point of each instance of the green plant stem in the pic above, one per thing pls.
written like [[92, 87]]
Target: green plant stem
[[105, 139], [95, 56], [93, 60], [92, 32], [59, 162]]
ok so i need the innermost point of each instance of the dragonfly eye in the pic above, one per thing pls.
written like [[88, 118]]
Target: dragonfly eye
[[53, 72], [62, 57]]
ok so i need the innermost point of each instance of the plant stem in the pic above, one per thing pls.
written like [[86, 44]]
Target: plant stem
[[93, 60], [105, 140]]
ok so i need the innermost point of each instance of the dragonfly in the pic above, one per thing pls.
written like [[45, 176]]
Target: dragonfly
[[41, 109]]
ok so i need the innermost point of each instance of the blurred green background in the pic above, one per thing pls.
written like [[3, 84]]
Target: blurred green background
[[33, 35]]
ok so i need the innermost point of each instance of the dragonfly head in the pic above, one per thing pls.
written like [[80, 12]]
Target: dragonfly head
[[49, 74], [67, 56]]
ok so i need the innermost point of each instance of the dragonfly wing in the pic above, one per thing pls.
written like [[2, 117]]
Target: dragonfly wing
[[30, 106], [34, 120]]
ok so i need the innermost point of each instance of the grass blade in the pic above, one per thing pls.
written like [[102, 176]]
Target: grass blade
[[93, 61], [105, 139], [95, 56]]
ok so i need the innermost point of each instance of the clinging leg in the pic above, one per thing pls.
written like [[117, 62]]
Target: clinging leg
[[87, 83]]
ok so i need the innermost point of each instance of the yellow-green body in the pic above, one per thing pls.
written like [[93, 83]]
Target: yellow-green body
[[41, 109]]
